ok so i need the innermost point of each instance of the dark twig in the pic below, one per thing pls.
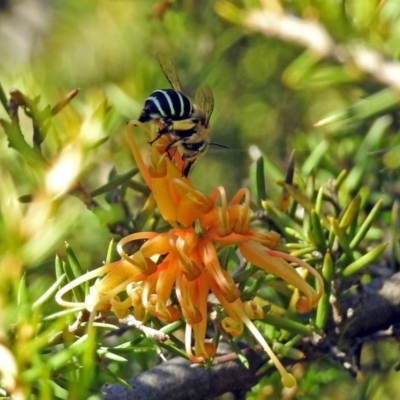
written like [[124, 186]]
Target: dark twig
[[177, 379]]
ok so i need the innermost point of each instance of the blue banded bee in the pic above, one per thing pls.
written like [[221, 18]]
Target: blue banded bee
[[167, 105], [186, 123]]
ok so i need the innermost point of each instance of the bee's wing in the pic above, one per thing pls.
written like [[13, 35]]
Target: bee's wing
[[205, 101], [169, 71]]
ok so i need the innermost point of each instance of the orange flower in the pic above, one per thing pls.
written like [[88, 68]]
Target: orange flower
[[185, 260]]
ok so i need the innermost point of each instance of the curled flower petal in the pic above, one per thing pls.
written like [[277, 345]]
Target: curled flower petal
[[188, 347], [303, 304], [220, 276], [217, 215], [240, 218], [240, 213], [156, 245], [135, 292], [191, 204], [120, 308], [261, 257], [186, 292], [152, 302], [183, 245], [139, 260], [90, 275], [118, 275], [167, 273]]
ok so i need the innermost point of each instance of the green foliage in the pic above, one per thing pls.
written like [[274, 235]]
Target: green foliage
[[67, 174]]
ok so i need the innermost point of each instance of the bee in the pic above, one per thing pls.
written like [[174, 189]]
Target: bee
[[187, 123]]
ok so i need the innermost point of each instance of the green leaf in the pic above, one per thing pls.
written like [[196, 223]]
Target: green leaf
[[3, 97], [287, 324], [360, 235], [383, 101], [365, 260], [344, 240], [323, 308], [49, 293], [351, 213], [317, 231], [394, 230], [73, 262], [114, 183], [260, 180]]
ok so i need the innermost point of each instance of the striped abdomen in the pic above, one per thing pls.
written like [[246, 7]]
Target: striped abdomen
[[168, 105]]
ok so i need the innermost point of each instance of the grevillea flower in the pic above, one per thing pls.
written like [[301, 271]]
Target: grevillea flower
[[184, 260]]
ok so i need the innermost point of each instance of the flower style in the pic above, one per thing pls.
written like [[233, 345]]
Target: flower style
[[184, 260]]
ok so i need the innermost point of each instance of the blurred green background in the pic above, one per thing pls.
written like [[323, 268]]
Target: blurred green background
[[269, 92]]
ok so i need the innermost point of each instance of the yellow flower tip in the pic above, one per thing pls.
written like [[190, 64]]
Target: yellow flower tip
[[232, 326], [239, 216], [223, 224], [288, 380], [253, 310], [135, 292]]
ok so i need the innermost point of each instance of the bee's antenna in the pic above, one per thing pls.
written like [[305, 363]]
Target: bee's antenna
[[218, 144]]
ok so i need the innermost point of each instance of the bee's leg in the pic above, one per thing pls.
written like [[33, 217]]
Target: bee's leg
[[173, 143], [155, 139], [164, 127]]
